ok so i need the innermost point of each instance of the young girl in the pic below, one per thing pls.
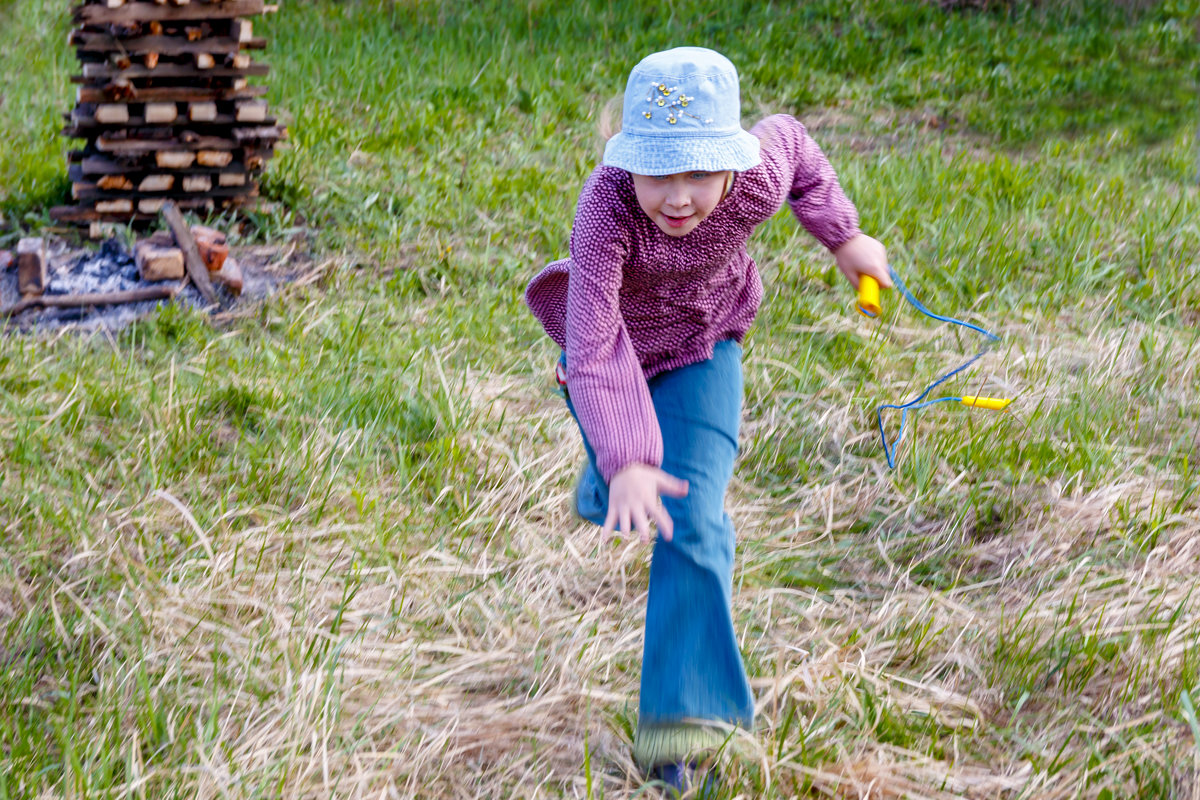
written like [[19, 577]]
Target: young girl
[[650, 310]]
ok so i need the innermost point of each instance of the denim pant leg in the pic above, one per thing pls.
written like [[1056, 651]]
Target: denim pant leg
[[691, 665]]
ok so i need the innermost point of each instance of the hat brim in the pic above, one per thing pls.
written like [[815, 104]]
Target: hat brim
[[668, 155]]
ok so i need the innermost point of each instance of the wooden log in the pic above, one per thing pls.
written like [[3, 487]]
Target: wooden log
[[90, 14], [197, 183], [214, 158], [119, 206], [93, 72], [112, 113], [242, 29], [92, 42], [151, 205], [242, 137], [31, 265], [251, 111], [98, 165], [201, 203], [196, 269], [231, 179], [205, 61], [264, 133], [150, 60], [174, 159], [157, 183], [98, 299], [237, 60], [86, 163], [160, 112], [158, 263], [88, 193], [202, 112], [115, 183], [179, 94]]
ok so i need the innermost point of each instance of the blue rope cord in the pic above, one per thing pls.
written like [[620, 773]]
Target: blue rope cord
[[919, 401]]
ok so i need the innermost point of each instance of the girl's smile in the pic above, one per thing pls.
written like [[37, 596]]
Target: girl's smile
[[678, 203]]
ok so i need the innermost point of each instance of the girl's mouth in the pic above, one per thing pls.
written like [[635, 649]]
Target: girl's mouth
[[676, 222]]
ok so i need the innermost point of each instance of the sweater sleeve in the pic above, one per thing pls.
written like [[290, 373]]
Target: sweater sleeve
[[604, 375], [814, 194]]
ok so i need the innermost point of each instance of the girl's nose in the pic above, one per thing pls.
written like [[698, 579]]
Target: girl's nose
[[678, 195]]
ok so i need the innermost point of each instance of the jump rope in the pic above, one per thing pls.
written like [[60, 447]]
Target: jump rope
[[869, 306]]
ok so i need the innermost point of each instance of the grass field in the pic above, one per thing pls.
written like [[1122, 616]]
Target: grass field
[[323, 549]]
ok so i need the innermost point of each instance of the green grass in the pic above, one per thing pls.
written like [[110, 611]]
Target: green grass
[[322, 549]]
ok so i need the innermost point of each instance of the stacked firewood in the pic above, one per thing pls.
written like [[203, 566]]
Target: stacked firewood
[[165, 108]]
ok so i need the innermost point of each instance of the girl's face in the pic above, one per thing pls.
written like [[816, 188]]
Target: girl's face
[[678, 203]]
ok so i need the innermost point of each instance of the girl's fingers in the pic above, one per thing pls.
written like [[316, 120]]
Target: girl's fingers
[[642, 524], [610, 519], [666, 528], [624, 514], [672, 486]]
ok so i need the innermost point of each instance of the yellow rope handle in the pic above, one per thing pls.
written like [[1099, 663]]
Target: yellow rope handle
[[993, 403], [868, 296]]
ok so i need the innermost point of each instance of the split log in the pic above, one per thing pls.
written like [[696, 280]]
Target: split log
[[252, 111], [119, 206], [112, 114], [158, 263], [202, 112], [174, 159], [115, 183], [197, 183], [214, 158], [157, 183], [159, 113], [242, 29], [196, 269]]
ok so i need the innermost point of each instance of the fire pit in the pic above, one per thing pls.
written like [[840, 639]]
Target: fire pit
[[112, 271]]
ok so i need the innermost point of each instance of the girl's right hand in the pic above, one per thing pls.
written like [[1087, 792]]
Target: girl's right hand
[[634, 499]]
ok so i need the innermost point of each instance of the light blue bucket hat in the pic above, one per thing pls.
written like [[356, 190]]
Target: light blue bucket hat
[[682, 113]]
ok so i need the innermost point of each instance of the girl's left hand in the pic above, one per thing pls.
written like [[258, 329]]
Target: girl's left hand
[[863, 255]]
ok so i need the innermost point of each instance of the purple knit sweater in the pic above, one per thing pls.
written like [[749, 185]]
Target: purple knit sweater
[[632, 302]]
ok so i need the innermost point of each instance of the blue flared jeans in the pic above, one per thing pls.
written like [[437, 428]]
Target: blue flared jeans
[[691, 666]]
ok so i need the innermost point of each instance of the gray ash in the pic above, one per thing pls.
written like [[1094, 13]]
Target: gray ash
[[110, 269]]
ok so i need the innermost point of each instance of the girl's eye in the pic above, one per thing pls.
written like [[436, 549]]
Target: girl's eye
[[699, 176]]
